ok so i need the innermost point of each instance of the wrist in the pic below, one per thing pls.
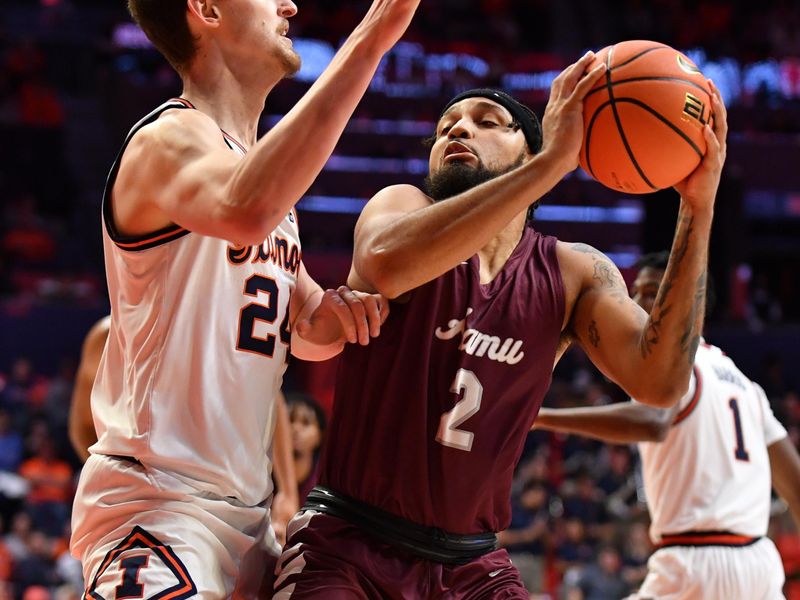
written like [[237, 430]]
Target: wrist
[[701, 212], [554, 163]]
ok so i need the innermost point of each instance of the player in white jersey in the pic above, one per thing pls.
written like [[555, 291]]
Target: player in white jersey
[[706, 464], [208, 291], [83, 435]]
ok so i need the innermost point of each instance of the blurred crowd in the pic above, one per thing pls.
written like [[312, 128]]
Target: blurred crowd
[[579, 529]]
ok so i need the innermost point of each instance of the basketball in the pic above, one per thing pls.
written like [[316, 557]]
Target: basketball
[[644, 119]]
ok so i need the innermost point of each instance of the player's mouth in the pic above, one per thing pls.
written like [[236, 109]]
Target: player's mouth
[[456, 150]]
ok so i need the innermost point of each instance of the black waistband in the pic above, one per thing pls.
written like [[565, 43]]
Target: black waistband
[[429, 543]]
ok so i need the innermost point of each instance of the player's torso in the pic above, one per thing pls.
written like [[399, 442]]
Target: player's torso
[[715, 454], [198, 346], [430, 418]]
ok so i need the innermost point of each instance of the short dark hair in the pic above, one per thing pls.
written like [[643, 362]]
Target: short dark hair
[[659, 261], [299, 399], [654, 260], [166, 26]]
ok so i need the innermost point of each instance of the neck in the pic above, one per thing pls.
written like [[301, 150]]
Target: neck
[[235, 100], [303, 465], [494, 255]]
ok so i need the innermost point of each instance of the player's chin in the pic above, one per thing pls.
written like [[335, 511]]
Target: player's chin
[[291, 62]]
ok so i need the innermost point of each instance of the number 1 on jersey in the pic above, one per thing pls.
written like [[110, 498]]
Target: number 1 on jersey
[[449, 434], [741, 452]]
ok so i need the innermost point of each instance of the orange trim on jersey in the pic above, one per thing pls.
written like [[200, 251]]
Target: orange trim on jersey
[[183, 101], [698, 389], [232, 139], [140, 539], [706, 538], [139, 243]]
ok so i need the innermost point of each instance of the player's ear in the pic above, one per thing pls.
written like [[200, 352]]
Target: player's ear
[[206, 11]]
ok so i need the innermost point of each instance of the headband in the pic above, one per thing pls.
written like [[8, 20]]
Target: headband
[[522, 115]]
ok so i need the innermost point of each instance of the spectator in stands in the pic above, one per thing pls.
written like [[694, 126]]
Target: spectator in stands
[[308, 432], [526, 537], [601, 580], [51, 488], [11, 444]]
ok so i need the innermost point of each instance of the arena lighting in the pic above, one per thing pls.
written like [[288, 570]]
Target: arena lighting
[[626, 215], [409, 71], [361, 125]]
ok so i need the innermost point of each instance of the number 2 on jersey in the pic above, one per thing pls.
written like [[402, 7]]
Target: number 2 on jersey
[[741, 452], [449, 434], [266, 312]]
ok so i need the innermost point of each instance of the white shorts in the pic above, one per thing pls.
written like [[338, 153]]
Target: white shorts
[[752, 572], [141, 533]]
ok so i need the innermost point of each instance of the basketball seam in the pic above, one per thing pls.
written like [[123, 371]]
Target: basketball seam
[[619, 121], [664, 120], [639, 79], [634, 57]]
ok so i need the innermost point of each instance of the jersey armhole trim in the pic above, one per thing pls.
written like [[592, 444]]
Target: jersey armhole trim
[[136, 243], [698, 389]]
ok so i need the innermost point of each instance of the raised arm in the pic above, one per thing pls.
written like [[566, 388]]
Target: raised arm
[[403, 239], [81, 425], [184, 174], [651, 357]]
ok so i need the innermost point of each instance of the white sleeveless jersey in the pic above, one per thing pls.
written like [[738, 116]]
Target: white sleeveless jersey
[[198, 346], [712, 471]]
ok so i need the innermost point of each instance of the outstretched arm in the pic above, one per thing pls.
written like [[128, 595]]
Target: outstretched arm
[[403, 239], [624, 423], [81, 425], [184, 174], [785, 464], [651, 357]]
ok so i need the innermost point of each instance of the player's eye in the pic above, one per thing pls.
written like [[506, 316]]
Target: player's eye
[[488, 123]]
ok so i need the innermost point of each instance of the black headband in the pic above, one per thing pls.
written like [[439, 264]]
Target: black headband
[[524, 116]]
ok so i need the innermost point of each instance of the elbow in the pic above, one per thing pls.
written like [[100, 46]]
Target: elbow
[[381, 270], [247, 228], [662, 392]]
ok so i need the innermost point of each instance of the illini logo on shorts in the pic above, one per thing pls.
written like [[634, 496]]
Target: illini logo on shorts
[[141, 567]]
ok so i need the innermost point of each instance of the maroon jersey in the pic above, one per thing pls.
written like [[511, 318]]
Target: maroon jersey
[[430, 419]]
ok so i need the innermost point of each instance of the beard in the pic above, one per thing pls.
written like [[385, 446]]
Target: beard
[[290, 61], [457, 177]]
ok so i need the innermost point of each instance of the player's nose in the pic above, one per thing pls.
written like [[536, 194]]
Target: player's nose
[[460, 130], [287, 9]]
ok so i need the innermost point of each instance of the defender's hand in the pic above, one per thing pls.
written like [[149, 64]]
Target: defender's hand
[[700, 188], [386, 22], [562, 125], [344, 315]]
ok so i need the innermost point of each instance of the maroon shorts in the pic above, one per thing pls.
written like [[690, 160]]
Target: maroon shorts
[[327, 557]]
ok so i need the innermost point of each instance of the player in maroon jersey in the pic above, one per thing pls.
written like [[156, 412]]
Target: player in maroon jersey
[[430, 419]]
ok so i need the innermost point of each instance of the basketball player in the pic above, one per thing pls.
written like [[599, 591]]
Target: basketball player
[[81, 426], [429, 422], [706, 464], [82, 433], [207, 292]]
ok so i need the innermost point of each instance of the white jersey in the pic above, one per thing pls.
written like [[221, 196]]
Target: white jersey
[[712, 471], [197, 350]]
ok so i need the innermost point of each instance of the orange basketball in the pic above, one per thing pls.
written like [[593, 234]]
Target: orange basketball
[[643, 120]]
